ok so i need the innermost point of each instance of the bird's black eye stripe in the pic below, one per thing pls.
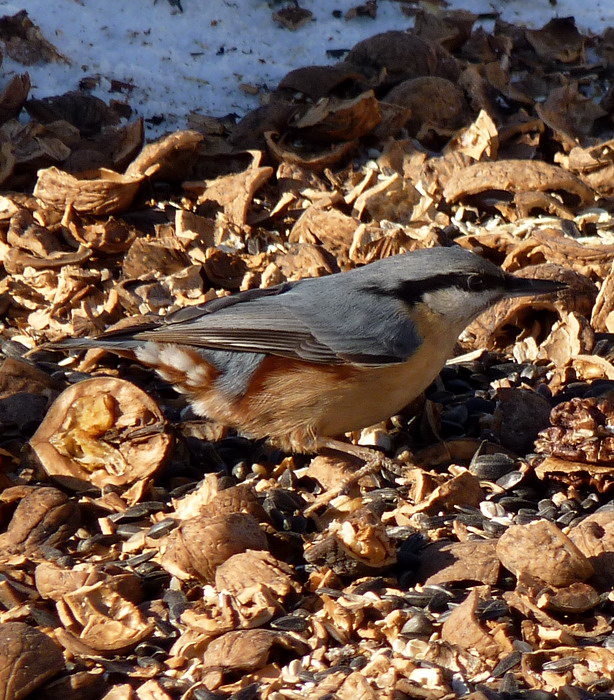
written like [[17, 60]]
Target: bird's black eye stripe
[[412, 292]]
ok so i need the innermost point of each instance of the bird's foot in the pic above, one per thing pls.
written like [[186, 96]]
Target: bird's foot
[[374, 462]]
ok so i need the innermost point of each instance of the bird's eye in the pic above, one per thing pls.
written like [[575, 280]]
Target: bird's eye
[[476, 283]]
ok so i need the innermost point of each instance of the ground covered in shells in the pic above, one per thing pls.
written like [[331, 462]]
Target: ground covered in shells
[[147, 554]]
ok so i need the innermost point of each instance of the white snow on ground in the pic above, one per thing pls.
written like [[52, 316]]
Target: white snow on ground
[[197, 60]]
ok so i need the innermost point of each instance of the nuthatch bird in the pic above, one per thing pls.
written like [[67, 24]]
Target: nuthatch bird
[[304, 362]]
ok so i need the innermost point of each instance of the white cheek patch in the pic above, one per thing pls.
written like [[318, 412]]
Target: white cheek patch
[[459, 306]]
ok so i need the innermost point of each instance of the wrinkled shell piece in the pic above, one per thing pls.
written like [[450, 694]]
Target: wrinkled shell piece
[[102, 431], [463, 629], [27, 659], [256, 569], [447, 562], [201, 544], [542, 551], [247, 650], [580, 431], [44, 517], [102, 619], [515, 176], [333, 119], [169, 158], [594, 537], [95, 192], [403, 55]]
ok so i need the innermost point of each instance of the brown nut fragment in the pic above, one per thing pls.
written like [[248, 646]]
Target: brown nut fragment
[[97, 192], [308, 158], [542, 551], [245, 650], [320, 81], [333, 119], [237, 499], [45, 516], [580, 432], [199, 545], [515, 176], [54, 582], [463, 629], [233, 193], [27, 659], [80, 685], [536, 319], [13, 96], [447, 562], [576, 598], [169, 158], [433, 102], [357, 546], [403, 55], [256, 569], [519, 416], [594, 537], [100, 618], [102, 431]]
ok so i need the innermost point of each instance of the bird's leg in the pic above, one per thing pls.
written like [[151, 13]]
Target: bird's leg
[[373, 462]]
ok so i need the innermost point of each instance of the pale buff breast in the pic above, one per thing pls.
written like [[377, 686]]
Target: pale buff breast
[[310, 400]]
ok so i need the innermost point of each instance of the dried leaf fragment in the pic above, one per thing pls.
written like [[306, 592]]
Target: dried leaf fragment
[[102, 431], [25, 42]]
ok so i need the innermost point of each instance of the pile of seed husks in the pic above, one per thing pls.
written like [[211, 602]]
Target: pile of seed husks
[[149, 555]]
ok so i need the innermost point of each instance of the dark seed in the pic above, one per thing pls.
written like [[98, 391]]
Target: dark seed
[[290, 623], [477, 404], [560, 664], [248, 693], [513, 503], [204, 694], [138, 559], [456, 414], [526, 518], [566, 518], [358, 662], [418, 624], [494, 529], [162, 528], [441, 396], [506, 664], [126, 530], [509, 480], [537, 695], [475, 521], [491, 467], [137, 512]]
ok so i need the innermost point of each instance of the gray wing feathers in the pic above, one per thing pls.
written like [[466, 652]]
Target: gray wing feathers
[[316, 323]]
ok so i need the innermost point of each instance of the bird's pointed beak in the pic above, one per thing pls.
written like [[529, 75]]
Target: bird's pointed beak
[[524, 287]]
